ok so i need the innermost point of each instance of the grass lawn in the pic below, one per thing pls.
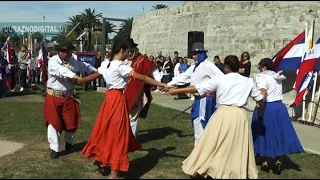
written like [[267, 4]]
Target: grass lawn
[[166, 144]]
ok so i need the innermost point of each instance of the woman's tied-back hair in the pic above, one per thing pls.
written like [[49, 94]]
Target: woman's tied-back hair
[[268, 63], [244, 54], [232, 62], [117, 46]]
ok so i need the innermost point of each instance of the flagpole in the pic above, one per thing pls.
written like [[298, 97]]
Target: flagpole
[[304, 96], [315, 79]]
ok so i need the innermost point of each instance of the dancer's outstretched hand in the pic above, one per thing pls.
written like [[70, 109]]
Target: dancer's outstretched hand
[[173, 91], [167, 88]]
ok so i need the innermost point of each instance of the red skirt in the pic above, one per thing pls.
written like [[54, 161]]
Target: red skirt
[[63, 113], [112, 137]]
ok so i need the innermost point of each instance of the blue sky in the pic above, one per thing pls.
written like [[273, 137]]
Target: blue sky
[[59, 11]]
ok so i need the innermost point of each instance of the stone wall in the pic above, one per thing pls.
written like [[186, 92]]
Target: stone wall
[[260, 27]]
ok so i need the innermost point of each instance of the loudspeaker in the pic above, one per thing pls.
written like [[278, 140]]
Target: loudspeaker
[[193, 37]]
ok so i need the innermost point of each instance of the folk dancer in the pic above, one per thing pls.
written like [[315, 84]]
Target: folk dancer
[[225, 150], [135, 90], [204, 69], [112, 139], [61, 110], [273, 134]]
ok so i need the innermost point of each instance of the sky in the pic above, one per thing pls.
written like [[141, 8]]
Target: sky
[[59, 11]]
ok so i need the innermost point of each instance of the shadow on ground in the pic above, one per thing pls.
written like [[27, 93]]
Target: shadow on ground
[[287, 163], [158, 133], [141, 166], [75, 148]]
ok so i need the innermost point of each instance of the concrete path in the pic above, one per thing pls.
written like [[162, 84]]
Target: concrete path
[[9, 147], [309, 136]]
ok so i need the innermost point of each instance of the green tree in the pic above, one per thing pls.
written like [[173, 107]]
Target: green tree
[[73, 21], [125, 29], [159, 6], [38, 36], [9, 32], [91, 19]]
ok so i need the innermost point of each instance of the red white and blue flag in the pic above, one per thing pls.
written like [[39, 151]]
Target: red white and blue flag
[[305, 77], [289, 57]]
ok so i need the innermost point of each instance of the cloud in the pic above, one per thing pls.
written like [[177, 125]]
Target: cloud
[[59, 11]]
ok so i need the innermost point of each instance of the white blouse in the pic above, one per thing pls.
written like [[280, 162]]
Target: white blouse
[[231, 89], [272, 83], [205, 71], [116, 76]]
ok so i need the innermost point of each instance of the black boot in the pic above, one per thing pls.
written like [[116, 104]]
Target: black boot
[[54, 155], [68, 148]]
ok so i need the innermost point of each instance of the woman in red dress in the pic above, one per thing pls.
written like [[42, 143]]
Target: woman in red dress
[[112, 138]]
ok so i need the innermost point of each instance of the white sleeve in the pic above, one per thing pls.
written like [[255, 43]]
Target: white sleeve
[[124, 70], [207, 87], [59, 70], [255, 93], [183, 78], [156, 75], [213, 70], [262, 82], [103, 67], [176, 69]]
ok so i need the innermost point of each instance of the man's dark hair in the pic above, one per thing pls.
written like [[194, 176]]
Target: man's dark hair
[[217, 57], [232, 62], [268, 63], [176, 52]]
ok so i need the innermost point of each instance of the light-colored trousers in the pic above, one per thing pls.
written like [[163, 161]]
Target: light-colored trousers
[[54, 138], [134, 114], [198, 129]]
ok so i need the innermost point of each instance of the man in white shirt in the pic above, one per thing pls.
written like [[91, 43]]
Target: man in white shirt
[[203, 70], [61, 110]]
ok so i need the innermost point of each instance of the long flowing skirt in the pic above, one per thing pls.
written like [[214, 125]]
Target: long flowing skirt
[[112, 137], [274, 135], [225, 149]]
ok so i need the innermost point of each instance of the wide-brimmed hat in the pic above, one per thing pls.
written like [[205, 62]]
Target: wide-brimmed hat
[[66, 45], [132, 43], [198, 47]]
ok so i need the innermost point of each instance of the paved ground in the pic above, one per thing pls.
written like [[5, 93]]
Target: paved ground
[[309, 136], [9, 147]]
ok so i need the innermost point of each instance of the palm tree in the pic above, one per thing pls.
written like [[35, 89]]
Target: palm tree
[[159, 6], [73, 21], [91, 19], [125, 29]]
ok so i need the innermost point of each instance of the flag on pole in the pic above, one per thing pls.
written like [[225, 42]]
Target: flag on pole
[[308, 47], [306, 69], [30, 60], [289, 57], [42, 59], [8, 53]]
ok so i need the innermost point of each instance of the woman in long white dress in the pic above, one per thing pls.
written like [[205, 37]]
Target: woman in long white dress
[[225, 150]]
